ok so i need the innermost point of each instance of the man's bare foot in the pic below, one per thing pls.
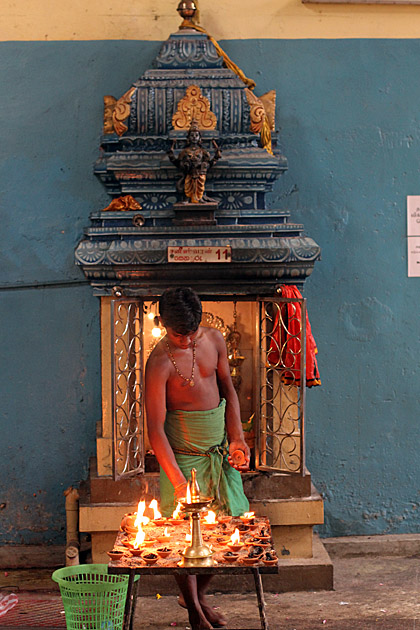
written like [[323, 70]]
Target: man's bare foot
[[201, 624], [196, 615], [216, 619]]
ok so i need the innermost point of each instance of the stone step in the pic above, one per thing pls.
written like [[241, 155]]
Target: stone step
[[295, 574]]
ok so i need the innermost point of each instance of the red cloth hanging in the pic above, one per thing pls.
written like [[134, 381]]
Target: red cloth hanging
[[285, 343]]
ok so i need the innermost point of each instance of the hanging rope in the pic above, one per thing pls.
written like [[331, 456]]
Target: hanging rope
[[250, 83], [228, 62], [266, 136]]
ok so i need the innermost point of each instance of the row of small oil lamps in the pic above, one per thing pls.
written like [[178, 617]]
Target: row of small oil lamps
[[210, 521]]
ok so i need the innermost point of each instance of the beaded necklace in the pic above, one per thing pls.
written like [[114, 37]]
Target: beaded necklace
[[190, 380]]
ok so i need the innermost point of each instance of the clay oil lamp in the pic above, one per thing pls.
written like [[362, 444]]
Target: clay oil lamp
[[247, 517], [165, 537], [115, 554], [230, 557], [261, 542], [238, 458], [222, 541], [131, 532], [256, 552], [235, 541], [224, 519], [150, 557], [176, 518], [254, 555], [243, 529], [163, 552], [270, 558], [131, 522], [250, 560], [128, 543], [136, 545], [141, 519], [209, 521], [157, 516], [263, 534], [128, 523], [139, 540]]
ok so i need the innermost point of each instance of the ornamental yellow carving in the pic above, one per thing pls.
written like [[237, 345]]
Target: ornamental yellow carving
[[123, 203], [262, 115], [269, 101], [194, 106], [116, 111], [109, 104]]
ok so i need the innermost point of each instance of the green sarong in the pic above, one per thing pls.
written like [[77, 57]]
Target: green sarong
[[198, 439]]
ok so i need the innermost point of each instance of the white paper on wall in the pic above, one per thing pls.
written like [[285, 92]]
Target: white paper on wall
[[413, 215], [413, 256]]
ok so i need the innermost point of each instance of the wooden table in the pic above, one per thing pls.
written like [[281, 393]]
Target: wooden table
[[133, 566], [224, 569]]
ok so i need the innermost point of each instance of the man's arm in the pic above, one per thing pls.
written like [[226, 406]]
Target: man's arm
[[155, 399], [234, 429]]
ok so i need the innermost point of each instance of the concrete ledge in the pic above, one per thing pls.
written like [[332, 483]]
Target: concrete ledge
[[380, 545], [27, 580], [103, 517], [32, 556], [295, 574], [295, 511]]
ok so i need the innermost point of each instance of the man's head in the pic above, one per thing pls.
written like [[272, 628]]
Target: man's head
[[180, 309]]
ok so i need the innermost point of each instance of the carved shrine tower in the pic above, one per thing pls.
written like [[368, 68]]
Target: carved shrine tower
[[134, 249]]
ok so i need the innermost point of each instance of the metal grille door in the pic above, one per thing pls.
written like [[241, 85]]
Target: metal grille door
[[282, 359], [127, 388]]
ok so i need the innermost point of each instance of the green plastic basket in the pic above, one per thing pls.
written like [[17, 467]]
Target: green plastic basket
[[92, 598]]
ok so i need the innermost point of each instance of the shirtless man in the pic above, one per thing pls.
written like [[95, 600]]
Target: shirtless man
[[193, 410]]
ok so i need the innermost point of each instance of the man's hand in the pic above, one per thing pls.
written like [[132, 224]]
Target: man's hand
[[239, 445], [180, 491]]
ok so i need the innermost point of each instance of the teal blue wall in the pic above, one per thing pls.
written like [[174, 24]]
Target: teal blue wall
[[348, 113]]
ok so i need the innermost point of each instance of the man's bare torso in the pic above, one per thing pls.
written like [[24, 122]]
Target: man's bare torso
[[205, 392]]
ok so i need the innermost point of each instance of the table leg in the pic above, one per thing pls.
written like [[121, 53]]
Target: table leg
[[129, 601], [260, 597], [133, 609]]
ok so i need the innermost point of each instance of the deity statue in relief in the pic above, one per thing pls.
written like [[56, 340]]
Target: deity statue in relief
[[194, 162]]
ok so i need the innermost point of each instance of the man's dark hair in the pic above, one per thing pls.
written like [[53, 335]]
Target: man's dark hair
[[180, 309]]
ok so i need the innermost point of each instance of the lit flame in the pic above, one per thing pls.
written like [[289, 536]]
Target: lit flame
[[166, 533], [188, 494], [210, 518], [154, 505], [188, 537], [177, 511], [140, 519], [235, 538], [139, 538], [249, 515]]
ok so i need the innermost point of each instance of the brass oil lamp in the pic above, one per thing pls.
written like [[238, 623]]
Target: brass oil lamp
[[197, 554], [235, 357]]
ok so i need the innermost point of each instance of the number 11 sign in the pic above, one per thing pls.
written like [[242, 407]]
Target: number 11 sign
[[200, 254]]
